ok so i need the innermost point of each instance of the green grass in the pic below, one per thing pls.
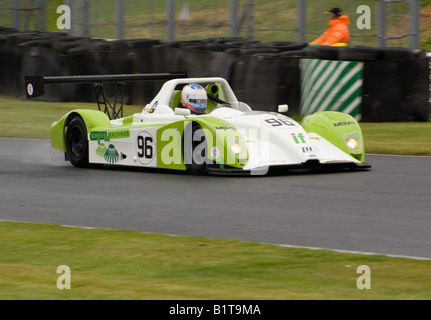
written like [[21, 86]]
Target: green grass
[[412, 138], [22, 118], [110, 264], [137, 265]]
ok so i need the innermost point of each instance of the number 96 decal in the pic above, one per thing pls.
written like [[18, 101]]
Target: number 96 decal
[[145, 147], [279, 122]]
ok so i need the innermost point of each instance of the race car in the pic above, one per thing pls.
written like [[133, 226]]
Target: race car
[[198, 125]]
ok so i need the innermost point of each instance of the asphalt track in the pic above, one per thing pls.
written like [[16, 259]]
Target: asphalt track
[[384, 210]]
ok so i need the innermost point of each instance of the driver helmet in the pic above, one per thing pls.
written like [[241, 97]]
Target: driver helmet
[[194, 97]]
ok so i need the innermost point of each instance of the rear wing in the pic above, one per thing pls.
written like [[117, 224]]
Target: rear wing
[[35, 86]]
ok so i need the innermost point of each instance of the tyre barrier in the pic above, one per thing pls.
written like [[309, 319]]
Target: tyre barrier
[[50, 57], [10, 77], [290, 85], [79, 60], [256, 80], [395, 80], [140, 53], [282, 46], [396, 90], [205, 63]]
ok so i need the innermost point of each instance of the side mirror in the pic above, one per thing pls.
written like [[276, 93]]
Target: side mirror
[[182, 112], [283, 108]]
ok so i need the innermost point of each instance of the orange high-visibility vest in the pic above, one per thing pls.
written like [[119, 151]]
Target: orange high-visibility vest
[[337, 32]]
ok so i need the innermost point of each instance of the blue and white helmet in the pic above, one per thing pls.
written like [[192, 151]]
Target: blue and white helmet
[[194, 97]]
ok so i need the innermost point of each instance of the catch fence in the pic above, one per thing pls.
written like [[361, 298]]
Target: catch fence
[[382, 23]]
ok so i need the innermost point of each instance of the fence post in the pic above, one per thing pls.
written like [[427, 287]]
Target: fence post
[[119, 19], [86, 23], [15, 14], [170, 18], [381, 23], [42, 15], [302, 19], [233, 4], [414, 24], [250, 20]]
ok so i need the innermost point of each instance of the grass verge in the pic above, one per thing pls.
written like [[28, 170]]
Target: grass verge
[[110, 264], [31, 119]]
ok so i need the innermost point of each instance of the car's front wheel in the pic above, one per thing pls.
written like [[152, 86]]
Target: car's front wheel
[[77, 143]]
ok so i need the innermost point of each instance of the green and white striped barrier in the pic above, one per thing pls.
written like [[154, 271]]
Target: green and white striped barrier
[[329, 85]]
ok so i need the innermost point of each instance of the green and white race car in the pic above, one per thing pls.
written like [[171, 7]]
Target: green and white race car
[[227, 138]]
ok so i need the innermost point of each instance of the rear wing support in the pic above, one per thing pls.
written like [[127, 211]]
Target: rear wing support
[[35, 87], [102, 102]]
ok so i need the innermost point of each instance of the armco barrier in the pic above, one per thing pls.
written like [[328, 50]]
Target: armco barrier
[[395, 81]]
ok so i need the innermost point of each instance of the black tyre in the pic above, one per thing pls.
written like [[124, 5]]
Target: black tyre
[[195, 149], [327, 52], [77, 143], [358, 53]]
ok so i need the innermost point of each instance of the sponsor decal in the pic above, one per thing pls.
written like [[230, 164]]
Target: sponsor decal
[[30, 89], [344, 123], [225, 128], [215, 152], [108, 135], [298, 138], [111, 154], [101, 149]]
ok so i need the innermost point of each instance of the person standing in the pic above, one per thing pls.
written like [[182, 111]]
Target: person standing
[[337, 32]]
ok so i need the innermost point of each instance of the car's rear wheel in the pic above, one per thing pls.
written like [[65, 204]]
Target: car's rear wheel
[[195, 149], [77, 143]]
